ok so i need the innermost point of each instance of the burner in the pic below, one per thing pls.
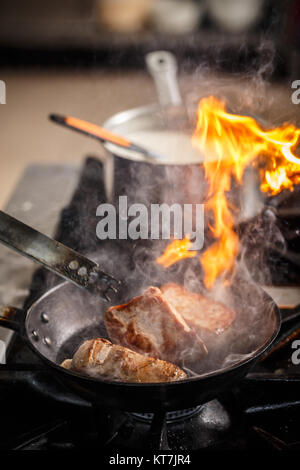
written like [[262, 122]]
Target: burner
[[190, 429], [171, 416]]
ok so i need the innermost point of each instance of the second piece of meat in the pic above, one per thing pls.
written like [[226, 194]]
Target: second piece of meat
[[99, 358], [201, 313], [148, 324]]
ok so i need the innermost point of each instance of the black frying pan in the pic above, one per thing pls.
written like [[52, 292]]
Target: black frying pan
[[57, 323]]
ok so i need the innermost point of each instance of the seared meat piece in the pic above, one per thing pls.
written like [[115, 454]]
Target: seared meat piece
[[150, 325], [100, 358], [199, 312], [67, 364]]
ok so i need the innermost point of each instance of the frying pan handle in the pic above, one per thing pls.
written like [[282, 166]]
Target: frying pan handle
[[13, 319], [162, 66]]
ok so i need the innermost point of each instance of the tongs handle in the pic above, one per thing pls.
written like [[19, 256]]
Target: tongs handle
[[104, 136], [55, 256]]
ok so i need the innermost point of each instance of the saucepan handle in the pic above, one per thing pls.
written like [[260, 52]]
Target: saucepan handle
[[162, 66], [13, 319]]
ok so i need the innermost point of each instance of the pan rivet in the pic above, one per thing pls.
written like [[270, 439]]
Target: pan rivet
[[44, 318], [82, 271], [47, 341], [73, 264], [35, 335]]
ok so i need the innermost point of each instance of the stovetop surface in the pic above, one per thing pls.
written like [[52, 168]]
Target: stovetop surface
[[39, 413]]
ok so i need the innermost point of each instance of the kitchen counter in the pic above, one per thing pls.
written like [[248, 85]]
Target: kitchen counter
[[27, 136]]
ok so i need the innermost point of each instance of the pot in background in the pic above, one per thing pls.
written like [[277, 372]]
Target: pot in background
[[166, 128]]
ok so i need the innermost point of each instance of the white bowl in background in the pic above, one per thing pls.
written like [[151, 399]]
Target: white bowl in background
[[177, 16], [235, 16]]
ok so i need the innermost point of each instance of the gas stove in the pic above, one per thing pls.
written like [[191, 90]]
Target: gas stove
[[260, 412]]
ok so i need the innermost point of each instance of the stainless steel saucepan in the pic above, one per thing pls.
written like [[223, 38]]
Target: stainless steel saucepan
[[166, 128]]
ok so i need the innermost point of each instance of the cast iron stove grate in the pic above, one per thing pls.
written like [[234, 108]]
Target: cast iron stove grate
[[38, 413]]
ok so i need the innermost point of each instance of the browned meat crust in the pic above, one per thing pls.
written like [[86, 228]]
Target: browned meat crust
[[199, 312], [100, 358], [150, 325]]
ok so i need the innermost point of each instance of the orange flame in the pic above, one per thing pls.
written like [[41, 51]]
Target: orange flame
[[175, 251], [229, 143]]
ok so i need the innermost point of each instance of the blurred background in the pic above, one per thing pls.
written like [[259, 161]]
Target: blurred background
[[87, 58], [116, 33]]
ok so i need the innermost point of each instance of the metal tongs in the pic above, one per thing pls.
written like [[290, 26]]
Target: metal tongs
[[55, 256]]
